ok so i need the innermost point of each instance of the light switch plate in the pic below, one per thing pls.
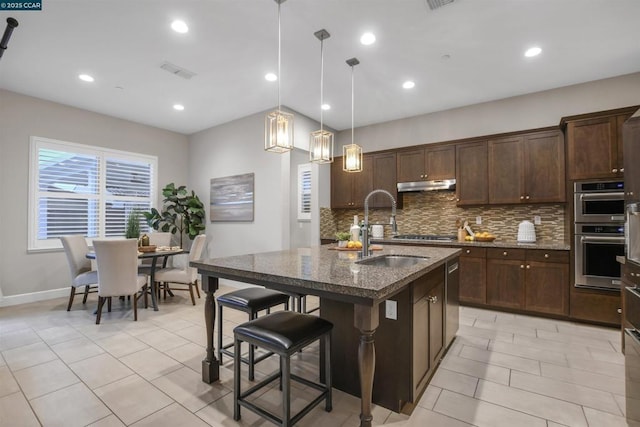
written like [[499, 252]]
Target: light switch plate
[[478, 220], [391, 309], [537, 220]]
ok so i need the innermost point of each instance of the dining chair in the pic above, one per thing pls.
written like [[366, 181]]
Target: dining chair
[[118, 273], [185, 276], [158, 239], [76, 248]]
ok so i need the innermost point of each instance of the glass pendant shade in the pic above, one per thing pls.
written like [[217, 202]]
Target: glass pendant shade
[[321, 146], [278, 131], [352, 158]]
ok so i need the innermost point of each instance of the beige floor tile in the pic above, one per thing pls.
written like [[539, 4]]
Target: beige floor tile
[[480, 313], [471, 331], [44, 378], [186, 387], [589, 331], [598, 418], [140, 328], [597, 366], [110, 421], [150, 363], [577, 350], [2, 362], [72, 406], [121, 344], [531, 403], [606, 356], [534, 353], [195, 334], [592, 342], [174, 323], [429, 397], [425, 418], [98, 332], [530, 321], [16, 412], [58, 334], [621, 401], [162, 340], [476, 369], [483, 414], [100, 370], [500, 359], [18, 338], [506, 327], [28, 355], [220, 413], [76, 349], [171, 416], [132, 399], [189, 354], [8, 325], [8, 384], [473, 341], [467, 321], [585, 396], [454, 381], [587, 379]]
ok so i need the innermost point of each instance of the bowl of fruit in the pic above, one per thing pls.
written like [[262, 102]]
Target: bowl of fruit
[[484, 236]]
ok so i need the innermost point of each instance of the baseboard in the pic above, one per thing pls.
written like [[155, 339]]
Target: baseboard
[[8, 300]]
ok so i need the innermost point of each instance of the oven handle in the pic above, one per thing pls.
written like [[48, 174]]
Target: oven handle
[[632, 333], [601, 239], [616, 195]]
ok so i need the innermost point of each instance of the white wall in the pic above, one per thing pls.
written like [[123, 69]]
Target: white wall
[[531, 111], [21, 117]]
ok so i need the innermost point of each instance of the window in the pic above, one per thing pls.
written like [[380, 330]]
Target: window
[[80, 189], [304, 192]]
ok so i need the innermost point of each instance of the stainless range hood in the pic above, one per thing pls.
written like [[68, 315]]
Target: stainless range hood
[[440, 184]]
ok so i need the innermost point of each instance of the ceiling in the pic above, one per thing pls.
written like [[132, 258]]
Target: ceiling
[[232, 44]]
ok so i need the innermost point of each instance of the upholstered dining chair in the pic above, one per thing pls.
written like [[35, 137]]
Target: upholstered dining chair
[[185, 276], [157, 239], [118, 273], [76, 248]]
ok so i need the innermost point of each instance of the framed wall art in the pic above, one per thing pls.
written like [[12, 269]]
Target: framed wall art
[[231, 198]]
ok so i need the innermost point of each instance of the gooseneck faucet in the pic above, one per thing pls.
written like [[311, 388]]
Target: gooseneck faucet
[[365, 230]]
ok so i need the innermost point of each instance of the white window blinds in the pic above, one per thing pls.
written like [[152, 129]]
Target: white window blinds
[[304, 192], [79, 189]]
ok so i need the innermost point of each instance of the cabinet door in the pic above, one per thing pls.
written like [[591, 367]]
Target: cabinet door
[[420, 341], [471, 174], [341, 182], [410, 165], [473, 276], [591, 148], [440, 162], [631, 138], [547, 287], [544, 167], [506, 170], [436, 323], [505, 282], [362, 182], [384, 177]]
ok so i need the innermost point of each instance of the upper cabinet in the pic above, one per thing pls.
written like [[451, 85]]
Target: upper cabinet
[[594, 144], [428, 163], [527, 168], [631, 138], [349, 189], [471, 174]]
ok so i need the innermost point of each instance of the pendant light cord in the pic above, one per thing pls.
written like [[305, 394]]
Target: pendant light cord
[[321, 82], [352, 108], [279, 51]]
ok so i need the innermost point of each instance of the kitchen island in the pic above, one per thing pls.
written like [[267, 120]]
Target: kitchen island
[[331, 275]]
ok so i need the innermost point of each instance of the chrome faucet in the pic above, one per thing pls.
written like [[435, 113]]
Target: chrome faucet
[[365, 231]]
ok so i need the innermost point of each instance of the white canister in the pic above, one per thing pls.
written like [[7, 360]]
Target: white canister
[[377, 231]]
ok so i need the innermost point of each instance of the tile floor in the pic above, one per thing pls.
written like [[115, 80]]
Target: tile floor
[[58, 368]]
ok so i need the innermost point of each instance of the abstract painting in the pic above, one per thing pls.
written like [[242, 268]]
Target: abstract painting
[[231, 198]]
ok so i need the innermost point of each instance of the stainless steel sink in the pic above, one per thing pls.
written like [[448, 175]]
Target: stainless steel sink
[[395, 261]]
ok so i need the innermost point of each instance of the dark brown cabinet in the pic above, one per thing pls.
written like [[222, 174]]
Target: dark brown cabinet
[[546, 282], [384, 177], [631, 138], [471, 174], [429, 163], [594, 145], [527, 168], [473, 275], [595, 306], [348, 189], [505, 278]]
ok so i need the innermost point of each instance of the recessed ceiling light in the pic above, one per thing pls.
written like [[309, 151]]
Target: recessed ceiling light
[[178, 107], [367, 39], [408, 84], [270, 77], [86, 78], [179, 26], [533, 51], [325, 107]]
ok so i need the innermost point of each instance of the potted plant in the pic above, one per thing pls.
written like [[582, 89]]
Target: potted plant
[[182, 212], [343, 237], [132, 230]]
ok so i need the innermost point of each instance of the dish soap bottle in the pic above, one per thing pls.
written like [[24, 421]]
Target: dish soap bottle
[[355, 229]]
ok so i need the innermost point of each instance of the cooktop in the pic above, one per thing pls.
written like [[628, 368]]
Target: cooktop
[[442, 238]]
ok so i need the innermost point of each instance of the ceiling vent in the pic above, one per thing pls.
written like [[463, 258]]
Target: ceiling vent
[[434, 4], [178, 71]]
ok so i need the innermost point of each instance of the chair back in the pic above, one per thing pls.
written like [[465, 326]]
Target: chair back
[[76, 248], [194, 254], [117, 267], [160, 238]]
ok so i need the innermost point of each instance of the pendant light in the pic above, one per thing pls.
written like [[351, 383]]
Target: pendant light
[[278, 125], [352, 153], [321, 141]]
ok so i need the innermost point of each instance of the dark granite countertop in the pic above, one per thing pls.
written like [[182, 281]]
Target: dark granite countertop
[[325, 272], [498, 243]]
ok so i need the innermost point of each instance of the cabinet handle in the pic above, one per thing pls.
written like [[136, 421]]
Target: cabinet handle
[[457, 199], [528, 266], [527, 197], [421, 176], [521, 197], [505, 253], [633, 274], [426, 175], [521, 266], [619, 311], [546, 255], [469, 251], [432, 300], [621, 169], [631, 193], [614, 170]]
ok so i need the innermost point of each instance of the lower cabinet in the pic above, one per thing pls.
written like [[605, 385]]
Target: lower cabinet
[[473, 275], [408, 349], [505, 277]]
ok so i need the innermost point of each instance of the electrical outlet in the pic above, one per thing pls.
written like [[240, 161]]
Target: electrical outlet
[[391, 309], [537, 220], [479, 220]]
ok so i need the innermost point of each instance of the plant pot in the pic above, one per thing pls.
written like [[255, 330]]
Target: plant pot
[[342, 243]]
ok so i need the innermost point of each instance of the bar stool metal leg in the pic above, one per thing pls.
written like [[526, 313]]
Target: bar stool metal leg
[[236, 380], [285, 368]]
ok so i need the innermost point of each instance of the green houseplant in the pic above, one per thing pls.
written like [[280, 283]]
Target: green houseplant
[[343, 237], [182, 212], [132, 230]]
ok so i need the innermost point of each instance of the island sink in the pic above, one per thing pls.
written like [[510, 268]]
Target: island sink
[[396, 261]]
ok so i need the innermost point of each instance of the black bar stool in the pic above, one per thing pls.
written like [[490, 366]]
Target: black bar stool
[[251, 301], [300, 303], [283, 333]]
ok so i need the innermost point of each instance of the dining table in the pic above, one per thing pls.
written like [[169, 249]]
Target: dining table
[[160, 252]]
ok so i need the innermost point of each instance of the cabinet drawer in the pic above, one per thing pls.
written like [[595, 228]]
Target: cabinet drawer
[[506, 253], [548, 256], [423, 285], [631, 273], [474, 252]]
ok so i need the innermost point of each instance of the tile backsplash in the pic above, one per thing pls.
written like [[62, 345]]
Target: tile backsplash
[[436, 213]]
